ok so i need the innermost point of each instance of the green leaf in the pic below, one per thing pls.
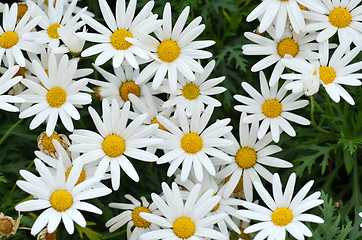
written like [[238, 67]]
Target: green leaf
[[92, 235]]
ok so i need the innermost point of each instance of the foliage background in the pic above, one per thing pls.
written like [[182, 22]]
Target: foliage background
[[327, 152]]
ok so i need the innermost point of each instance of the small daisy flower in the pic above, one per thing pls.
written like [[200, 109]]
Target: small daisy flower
[[8, 226], [184, 220], [271, 108], [62, 199], [136, 225], [115, 141], [176, 50], [192, 144], [284, 213], [73, 44], [45, 143], [12, 36], [343, 17], [299, 46], [190, 94], [7, 81], [250, 155], [115, 41]]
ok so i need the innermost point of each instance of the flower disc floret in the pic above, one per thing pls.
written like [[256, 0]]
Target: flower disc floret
[[127, 88], [22, 9], [113, 145], [282, 216], [183, 227], [191, 143], [56, 97], [8, 39], [81, 178], [288, 46], [118, 40], [136, 218], [160, 126], [61, 200], [5, 227], [340, 17], [327, 74], [246, 157], [48, 144], [168, 50], [272, 108], [191, 91], [52, 31]]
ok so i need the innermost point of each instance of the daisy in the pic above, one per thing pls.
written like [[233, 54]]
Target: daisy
[[176, 50], [132, 217], [61, 198], [12, 40], [190, 94], [115, 41], [249, 157], [55, 95], [271, 108], [115, 141], [7, 81], [73, 44], [300, 46], [192, 144], [184, 220], [45, 143], [332, 72], [284, 213], [343, 17]]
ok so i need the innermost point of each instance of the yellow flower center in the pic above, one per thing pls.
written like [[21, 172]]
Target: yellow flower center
[[22, 9], [191, 91], [113, 145], [118, 40], [20, 72], [272, 108], [52, 31], [81, 178], [137, 220], [8, 39], [56, 97], [302, 7], [127, 88], [246, 157], [5, 227], [288, 46], [61, 200], [282, 216], [160, 126], [168, 50], [340, 17], [183, 227], [191, 143], [326, 74], [47, 142]]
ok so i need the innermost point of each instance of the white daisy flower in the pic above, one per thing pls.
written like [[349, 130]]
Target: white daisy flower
[[250, 155], [332, 72], [115, 141], [115, 41], [299, 46], [12, 36], [284, 213], [271, 108], [192, 144], [136, 225], [61, 198], [56, 95], [190, 94], [73, 44], [184, 220], [176, 50], [7, 81], [343, 17]]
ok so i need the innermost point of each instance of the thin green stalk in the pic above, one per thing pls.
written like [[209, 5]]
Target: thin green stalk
[[314, 124], [9, 131]]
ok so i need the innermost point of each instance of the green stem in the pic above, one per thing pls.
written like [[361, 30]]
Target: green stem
[[314, 124], [114, 235], [9, 131]]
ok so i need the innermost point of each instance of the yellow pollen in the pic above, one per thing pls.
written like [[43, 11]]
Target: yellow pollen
[[136, 218], [113, 145], [282, 216], [340, 17], [22, 9], [168, 50], [127, 88], [326, 74], [160, 126], [246, 157], [20, 72], [272, 108], [191, 91], [118, 40], [5, 227], [81, 178], [183, 227], [53, 31], [61, 200], [191, 143], [47, 142], [302, 7], [8, 39], [288, 46], [56, 97]]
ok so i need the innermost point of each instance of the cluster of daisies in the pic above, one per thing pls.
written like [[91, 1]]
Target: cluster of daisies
[[156, 107]]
